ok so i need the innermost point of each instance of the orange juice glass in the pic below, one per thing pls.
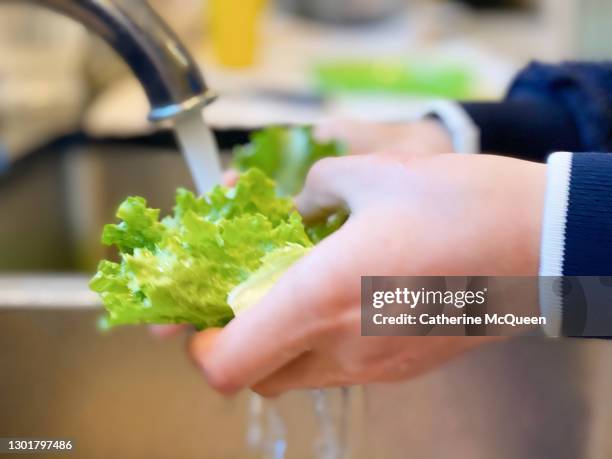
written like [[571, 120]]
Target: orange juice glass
[[235, 30]]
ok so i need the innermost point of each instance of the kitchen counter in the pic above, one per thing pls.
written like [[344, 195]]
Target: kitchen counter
[[46, 291]]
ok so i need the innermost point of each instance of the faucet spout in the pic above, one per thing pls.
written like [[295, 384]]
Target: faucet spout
[[168, 73]]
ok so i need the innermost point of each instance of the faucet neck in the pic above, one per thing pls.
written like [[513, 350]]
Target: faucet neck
[[167, 72]]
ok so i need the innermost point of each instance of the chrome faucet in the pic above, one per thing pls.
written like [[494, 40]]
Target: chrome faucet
[[169, 75]]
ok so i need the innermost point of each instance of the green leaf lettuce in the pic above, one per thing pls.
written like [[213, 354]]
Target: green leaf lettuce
[[220, 253], [285, 155], [183, 268]]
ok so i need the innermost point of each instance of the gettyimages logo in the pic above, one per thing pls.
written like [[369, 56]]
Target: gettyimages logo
[[415, 298], [486, 306]]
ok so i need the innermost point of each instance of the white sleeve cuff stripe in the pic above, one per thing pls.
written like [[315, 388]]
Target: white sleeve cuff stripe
[[555, 214], [464, 133], [553, 239]]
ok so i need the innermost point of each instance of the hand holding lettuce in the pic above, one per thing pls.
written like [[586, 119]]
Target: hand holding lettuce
[[219, 254], [460, 215]]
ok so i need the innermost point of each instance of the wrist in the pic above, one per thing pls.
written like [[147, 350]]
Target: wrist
[[536, 211], [432, 131], [518, 215]]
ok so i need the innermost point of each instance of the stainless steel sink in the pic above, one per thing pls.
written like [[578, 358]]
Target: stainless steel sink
[[122, 395], [125, 394], [55, 204]]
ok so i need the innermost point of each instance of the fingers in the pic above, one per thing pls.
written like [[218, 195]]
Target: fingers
[[230, 177], [272, 333], [335, 129], [348, 182], [165, 331], [201, 344], [360, 137], [250, 347], [321, 194], [309, 371], [332, 183]]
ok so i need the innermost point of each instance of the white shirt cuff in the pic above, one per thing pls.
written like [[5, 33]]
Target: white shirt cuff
[[553, 240], [464, 133]]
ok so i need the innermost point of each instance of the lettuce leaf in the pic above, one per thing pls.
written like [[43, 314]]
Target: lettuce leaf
[[285, 155], [183, 268], [218, 254], [273, 266]]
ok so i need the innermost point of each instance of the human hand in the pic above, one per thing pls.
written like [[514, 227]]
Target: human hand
[[448, 215], [415, 139]]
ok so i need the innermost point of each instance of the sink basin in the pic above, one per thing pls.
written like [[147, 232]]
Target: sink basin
[[123, 394], [126, 394], [55, 203]]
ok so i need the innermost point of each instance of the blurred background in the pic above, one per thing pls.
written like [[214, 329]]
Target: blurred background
[[71, 112], [75, 140]]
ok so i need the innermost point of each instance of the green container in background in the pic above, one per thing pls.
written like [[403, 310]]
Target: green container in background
[[429, 79]]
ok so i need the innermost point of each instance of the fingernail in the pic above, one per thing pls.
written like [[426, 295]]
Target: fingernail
[[199, 347]]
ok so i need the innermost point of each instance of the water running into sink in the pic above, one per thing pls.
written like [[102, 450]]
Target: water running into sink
[[200, 150], [266, 430], [333, 430]]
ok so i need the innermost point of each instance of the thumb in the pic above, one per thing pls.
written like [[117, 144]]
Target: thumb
[[201, 344], [333, 184]]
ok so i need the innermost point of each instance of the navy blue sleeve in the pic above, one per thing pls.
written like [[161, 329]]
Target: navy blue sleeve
[[525, 129], [588, 227], [550, 108], [576, 255], [576, 250]]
